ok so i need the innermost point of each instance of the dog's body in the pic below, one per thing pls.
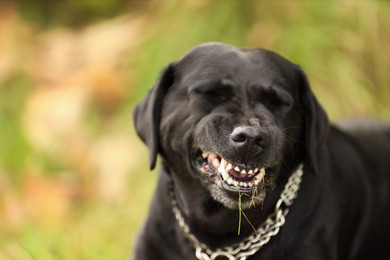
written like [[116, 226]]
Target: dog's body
[[254, 110]]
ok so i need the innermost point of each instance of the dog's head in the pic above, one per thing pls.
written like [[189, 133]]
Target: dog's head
[[232, 120]]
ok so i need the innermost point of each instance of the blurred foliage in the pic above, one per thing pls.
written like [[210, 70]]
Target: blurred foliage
[[13, 152], [73, 13], [74, 181]]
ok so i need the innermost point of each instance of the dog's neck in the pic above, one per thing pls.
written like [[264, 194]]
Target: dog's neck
[[268, 228]]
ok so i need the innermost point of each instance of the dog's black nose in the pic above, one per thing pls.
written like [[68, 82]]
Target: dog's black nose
[[249, 136]]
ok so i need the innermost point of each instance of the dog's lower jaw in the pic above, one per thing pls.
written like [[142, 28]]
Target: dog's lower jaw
[[236, 200]]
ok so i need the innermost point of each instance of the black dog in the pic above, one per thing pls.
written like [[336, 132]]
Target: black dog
[[233, 126]]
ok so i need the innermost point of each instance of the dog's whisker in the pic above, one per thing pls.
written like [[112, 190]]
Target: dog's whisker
[[290, 128]]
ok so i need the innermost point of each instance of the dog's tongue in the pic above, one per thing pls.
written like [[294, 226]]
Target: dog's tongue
[[238, 175]]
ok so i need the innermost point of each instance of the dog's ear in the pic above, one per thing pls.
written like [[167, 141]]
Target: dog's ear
[[146, 115], [316, 123]]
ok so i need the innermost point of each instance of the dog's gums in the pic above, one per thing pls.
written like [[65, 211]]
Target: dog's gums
[[228, 175]]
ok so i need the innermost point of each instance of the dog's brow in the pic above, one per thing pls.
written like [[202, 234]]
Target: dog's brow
[[279, 92], [275, 86], [210, 85]]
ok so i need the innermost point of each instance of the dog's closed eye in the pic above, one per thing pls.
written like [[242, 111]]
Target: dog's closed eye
[[215, 92], [274, 100]]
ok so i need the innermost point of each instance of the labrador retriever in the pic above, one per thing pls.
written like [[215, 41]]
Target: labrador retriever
[[252, 168]]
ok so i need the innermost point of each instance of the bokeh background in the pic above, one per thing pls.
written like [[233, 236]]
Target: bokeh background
[[74, 178]]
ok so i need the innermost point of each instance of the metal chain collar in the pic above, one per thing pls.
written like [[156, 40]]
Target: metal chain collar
[[250, 245]]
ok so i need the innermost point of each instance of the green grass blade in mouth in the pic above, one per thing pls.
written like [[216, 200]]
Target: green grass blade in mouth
[[239, 212]]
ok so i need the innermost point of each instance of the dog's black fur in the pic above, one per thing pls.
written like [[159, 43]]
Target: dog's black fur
[[200, 102]]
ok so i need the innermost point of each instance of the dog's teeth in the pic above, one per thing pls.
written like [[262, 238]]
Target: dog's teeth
[[237, 169], [256, 181], [243, 184], [262, 171], [256, 170], [205, 155], [250, 184], [250, 172], [235, 183], [224, 162], [229, 166], [221, 168], [243, 171], [225, 175], [230, 181], [211, 156], [260, 176]]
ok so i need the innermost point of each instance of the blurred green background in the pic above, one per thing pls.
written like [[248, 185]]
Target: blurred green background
[[74, 178]]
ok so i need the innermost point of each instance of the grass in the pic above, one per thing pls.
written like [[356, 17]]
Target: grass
[[239, 212], [94, 230]]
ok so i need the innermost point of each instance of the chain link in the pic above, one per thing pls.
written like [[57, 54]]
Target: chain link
[[250, 245]]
